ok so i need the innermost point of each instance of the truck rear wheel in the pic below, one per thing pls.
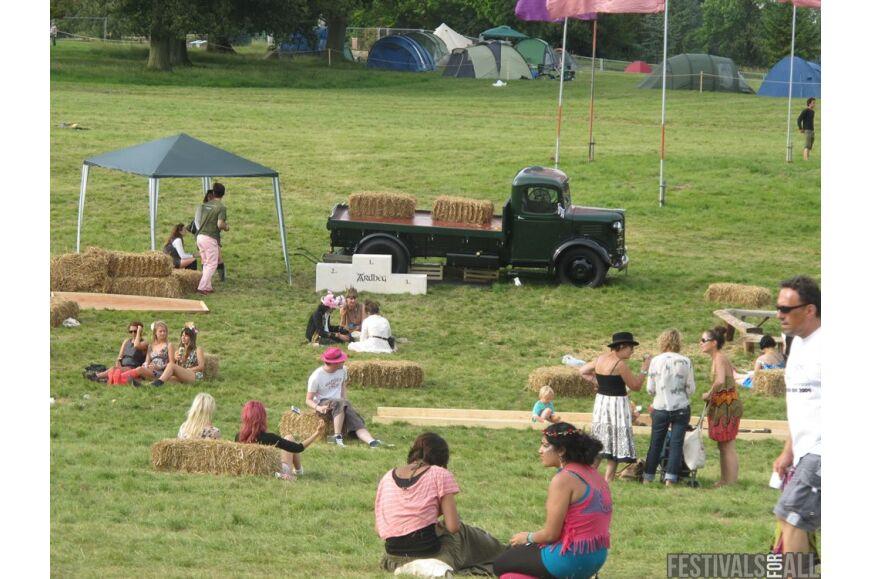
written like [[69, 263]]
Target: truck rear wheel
[[383, 246], [581, 267]]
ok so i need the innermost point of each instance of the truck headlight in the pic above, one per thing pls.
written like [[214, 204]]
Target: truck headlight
[[617, 225]]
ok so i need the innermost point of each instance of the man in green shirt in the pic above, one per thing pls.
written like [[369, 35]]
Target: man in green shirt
[[213, 221]]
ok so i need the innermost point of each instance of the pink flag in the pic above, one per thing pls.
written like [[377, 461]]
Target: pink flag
[[804, 3], [569, 8]]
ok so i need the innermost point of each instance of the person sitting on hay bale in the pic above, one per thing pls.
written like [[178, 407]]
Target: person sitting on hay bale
[[376, 337], [409, 501], [199, 417], [131, 355], [253, 431], [770, 359], [327, 396], [319, 331], [352, 313], [174, 248], [188, 364], [160, 352]]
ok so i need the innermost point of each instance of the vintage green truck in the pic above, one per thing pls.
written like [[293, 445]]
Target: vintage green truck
[[538, 228]]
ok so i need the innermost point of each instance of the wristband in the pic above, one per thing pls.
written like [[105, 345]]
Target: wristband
[[529, 537]]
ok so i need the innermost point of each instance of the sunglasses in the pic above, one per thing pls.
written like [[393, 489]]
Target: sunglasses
[[787, 309], [705, 340]]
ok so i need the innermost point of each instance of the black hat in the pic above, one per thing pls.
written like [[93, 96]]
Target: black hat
[[620, 338]]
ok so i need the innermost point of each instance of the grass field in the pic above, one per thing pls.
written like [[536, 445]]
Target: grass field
[[736, 212]]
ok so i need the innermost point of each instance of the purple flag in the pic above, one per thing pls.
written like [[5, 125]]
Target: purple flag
[[537, 10], [569, 8]]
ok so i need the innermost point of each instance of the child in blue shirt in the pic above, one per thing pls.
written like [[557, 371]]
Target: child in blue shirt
[[544, 409]]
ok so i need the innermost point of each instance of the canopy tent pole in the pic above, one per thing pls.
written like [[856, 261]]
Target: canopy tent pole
[[788, 143], [276, 185], [204, 186], [82, 190], [664, 101], [561, 88], [592, 91], [152, 209]]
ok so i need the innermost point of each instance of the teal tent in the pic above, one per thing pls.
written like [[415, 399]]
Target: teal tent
[[688, 71], [179, 156], [502, 33], [538, 54]]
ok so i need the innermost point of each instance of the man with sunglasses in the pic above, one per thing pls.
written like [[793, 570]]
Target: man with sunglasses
[[799, 510]]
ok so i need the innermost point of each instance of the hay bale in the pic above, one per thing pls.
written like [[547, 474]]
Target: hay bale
[[385, 374], [158, 287], [769, 382], [374, 204], [462, 210], [147, 264], [735, 294], [188, 278], [206, 456], [212, 367], [301, 426], [80, 272], [61, 310], [564, 380]]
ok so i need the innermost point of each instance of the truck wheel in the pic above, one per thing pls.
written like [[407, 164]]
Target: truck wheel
[[582, 268], [382, 246]]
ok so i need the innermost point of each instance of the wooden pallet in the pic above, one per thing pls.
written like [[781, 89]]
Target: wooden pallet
[[94, 301], [521, 420], [473, 275], [433, 271]]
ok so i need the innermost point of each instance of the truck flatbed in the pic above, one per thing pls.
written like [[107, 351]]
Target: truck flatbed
[[420, 219]]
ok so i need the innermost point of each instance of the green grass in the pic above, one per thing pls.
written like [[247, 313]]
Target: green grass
[[736, 212]]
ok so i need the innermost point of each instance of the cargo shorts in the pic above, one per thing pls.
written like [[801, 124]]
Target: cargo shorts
[[800, 504], [810, 138]]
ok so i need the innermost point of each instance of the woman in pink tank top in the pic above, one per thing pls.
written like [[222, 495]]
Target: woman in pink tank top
[[576, 535]]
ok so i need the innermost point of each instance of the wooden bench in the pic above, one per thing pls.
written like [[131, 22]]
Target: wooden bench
[[736, 319]]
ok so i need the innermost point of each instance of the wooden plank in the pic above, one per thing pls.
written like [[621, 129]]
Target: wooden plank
[[92, 301], [729, 318], [479, 275], [433, 271]]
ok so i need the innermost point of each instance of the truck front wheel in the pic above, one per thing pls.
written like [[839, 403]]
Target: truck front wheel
[[581, 267], [383, 246]]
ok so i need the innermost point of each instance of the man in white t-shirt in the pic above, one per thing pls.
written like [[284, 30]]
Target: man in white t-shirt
[[799, 309], [327, 395]]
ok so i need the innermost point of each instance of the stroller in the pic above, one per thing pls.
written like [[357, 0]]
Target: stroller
[[685, 474]]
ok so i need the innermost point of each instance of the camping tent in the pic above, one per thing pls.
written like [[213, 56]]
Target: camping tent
[[502, 33], [400, 53], [451, 38], [538, 54], [571, 68], [638, 66], [685, 72], [490, 60], [807, 81], [436, 47], [179, 156]]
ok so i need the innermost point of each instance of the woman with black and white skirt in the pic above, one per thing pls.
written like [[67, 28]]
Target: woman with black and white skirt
[[611, 417]]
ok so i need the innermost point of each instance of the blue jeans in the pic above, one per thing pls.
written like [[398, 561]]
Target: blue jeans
[[677, 421]]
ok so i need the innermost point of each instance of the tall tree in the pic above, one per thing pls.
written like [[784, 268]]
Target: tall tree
[[732, 28], [775, 41]]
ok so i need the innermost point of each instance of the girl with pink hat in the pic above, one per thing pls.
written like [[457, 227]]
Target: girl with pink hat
[[319, 330]]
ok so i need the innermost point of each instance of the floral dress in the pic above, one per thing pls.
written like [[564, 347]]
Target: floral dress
[[188, 360], [724, 410]]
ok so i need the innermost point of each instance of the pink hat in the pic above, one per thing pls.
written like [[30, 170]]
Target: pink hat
[[333, 356], [332, 301]]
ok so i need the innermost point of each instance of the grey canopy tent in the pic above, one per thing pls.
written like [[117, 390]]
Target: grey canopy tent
[[179, 156]]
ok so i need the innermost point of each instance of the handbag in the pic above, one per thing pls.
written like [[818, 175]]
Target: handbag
[[693, 445], [191, 227]]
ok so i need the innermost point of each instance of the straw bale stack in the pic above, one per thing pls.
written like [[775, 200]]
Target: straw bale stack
[[301, 426], [207, 456], [159, 287], [212, 367], [735, 294], [146, 264], [80, 272], [61, 310], [564, 380], [385, 374], [769, 382], [189, 279], [462, 210], [374, 204]]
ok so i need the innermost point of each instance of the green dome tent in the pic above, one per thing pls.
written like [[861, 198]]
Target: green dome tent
[[491, 60], [684, 72], [538, 54]]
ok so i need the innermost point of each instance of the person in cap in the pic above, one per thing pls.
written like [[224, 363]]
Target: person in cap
[[611, 416], [319, 330], [327, 396]]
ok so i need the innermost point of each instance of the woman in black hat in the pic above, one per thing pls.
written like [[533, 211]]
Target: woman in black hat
[[611, 417]]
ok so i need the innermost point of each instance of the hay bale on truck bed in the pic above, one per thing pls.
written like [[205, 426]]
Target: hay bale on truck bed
[[301, 426], [158, 287], [769, 382], [564, 380], [462, 210], [207, 456], [385, 374], [61, 310], [80, 272], [736, 294], [374, 204]]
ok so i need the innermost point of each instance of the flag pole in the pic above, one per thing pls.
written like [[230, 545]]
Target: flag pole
[[592, 91], [561, 87], [788, 143], [664, 101]]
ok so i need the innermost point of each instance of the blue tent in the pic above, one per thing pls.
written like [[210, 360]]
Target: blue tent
[[806, 79], [400, 53]]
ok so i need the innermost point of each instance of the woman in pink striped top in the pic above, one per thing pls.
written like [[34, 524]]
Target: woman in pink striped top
[[576, 535], [408, 504]]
